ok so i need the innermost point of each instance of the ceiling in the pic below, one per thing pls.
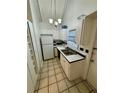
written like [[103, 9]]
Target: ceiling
[[52, 9]]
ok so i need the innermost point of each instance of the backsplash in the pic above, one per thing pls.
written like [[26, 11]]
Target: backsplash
[[72, 45]]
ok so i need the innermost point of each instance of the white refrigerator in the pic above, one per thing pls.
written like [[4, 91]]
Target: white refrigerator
[[47, 46]]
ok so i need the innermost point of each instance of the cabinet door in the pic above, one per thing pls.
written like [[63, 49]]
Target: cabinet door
[[65, 65], [66, 68], [62, 60], [76, 70]]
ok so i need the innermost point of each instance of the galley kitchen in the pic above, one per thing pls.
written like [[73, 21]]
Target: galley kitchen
[[62, 46]]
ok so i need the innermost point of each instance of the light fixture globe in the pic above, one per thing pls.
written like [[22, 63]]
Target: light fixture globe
[[50, 20], [56, 23], [59, 21]]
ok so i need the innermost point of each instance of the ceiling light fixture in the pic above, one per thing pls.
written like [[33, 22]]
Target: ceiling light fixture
[[59, 21], [51, 21], [56, 23], [54, 20]]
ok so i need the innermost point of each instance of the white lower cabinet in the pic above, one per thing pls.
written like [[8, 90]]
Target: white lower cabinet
[[72, 70], [66, 68], [62, 61]]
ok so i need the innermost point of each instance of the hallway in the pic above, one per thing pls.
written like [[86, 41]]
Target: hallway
[[53, 80]]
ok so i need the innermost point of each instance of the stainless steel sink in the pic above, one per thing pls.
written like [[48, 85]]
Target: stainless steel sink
[[68, 51]]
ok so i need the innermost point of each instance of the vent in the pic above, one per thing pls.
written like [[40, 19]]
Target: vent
[[64, 26]]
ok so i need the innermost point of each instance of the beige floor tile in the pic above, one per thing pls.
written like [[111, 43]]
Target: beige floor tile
[[61, 68], [55, 63], [43, 83], [64, 75], [54, 59], [37, 85], [66, 91], [53, 88], [45, 65], [56, 66], [44, 75], [57, 60], [52, 79], [51, 72], [35, 91], [74, 90], [59, 65], [59, 76], [69, 83], [62, 85], [48, 70], [44, 69], [82, 88], [44, 62], [50, 64], [87, 85], [78, 80], [43, 90], [50, 61], [51, 68], [58, 70]]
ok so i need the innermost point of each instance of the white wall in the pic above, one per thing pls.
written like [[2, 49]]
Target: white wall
[[46, 28], [63, 34], [36, 24], [76, 8]]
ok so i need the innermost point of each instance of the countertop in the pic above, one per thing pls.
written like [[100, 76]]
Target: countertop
[[70, 58], [63, 45]]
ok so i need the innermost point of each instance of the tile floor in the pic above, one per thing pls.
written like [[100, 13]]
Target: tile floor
[[53, 80]]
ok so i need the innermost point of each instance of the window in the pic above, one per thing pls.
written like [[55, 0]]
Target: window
[[72, 35]]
